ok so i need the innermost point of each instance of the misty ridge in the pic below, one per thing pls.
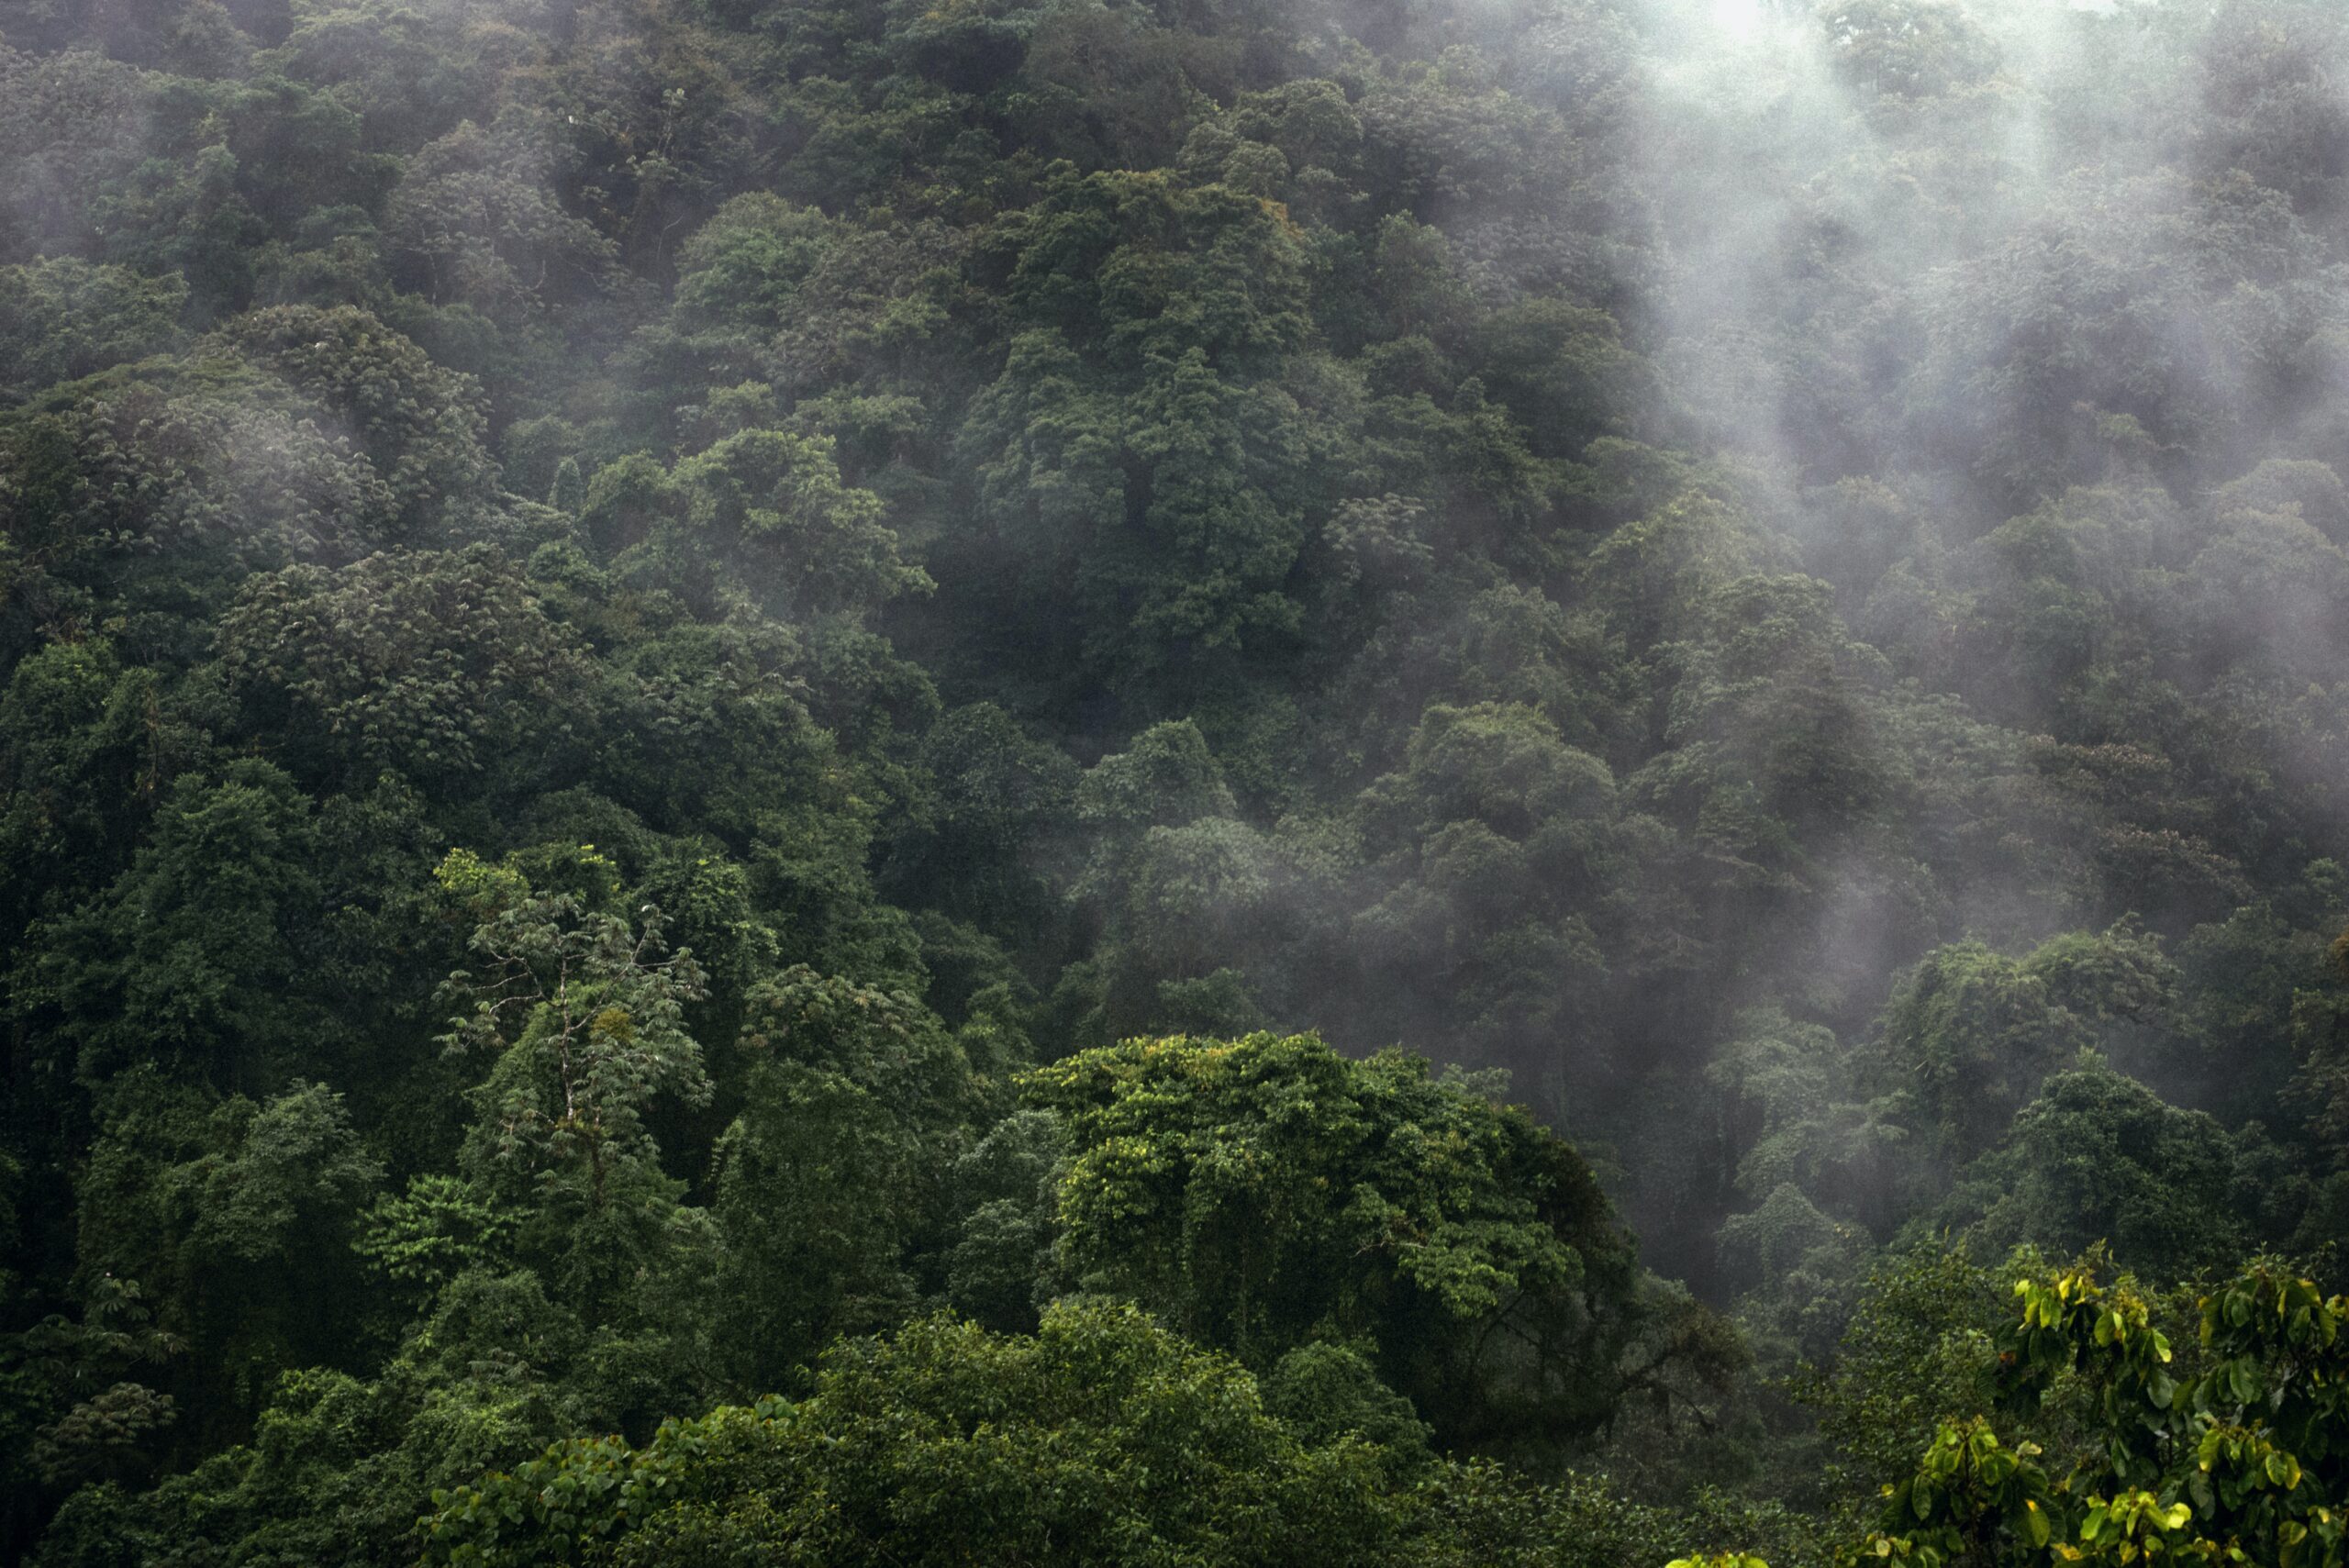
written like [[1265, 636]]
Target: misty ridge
[[1180, 782]]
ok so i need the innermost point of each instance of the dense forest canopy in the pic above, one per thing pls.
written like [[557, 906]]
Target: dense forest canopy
[[1207, 782]]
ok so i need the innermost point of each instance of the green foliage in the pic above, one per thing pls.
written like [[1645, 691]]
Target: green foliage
[[437, 1229], [1772, 576], [420, 425], [194, 955], [2228, 1454], [777, 499], [1265, 1192], [2097, 1157], [410, 662], [1918, 1345], [217, 1208], [1103, 1439], [583, 1016], [1495, 826], [1981, 1032], [828, 1179], [62, 319]]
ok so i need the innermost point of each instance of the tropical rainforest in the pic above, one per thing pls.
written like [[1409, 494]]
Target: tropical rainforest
[[1177, 783]]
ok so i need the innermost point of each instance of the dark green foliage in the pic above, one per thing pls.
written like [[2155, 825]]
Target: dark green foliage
[[580, 1015], [192, 957], [1103, 1439], [62, 318], [208, 1204], [1979, 1033], [683, 681], [1267, 1191], [410, 662], [2097, 1157], [829, 1180]]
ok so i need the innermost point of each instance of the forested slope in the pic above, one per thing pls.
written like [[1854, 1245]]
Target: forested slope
[[733, 732]]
